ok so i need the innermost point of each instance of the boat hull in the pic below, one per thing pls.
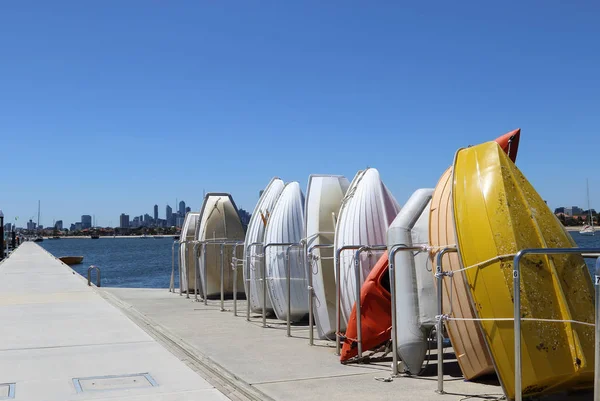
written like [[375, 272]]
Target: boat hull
[[376, 317], [466, 336], [498, 212], [187, 261], [253, 262], [71, 260], [286, 225], [323, 199], [366, 212], [219, 221]]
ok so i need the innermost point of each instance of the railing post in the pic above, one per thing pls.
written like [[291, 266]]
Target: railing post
[[358, 285], [248, 257], [172, 283], [311, 293], [391, 264], [288, 279], [264, 273], [439, 274], [234, 261], [222, 277], [338, 297], [181, 273], [517, 323], [205, 269], [196, 272]]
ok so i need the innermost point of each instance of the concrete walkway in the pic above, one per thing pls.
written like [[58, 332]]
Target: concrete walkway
[[60, 340], [278, 367]]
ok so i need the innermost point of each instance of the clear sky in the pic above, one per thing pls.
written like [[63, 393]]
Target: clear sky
[[112, 106]]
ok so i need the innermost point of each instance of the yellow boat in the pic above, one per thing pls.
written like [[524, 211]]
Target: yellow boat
[[466, 336], [497, 213]]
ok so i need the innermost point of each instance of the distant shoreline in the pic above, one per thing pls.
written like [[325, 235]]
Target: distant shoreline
[[111, 236], [575, 228]]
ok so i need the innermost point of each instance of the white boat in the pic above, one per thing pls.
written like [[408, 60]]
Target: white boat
[[365, 215], [286, 225], [323, 200], [588, 229], [253, 261], [219, 221], [187, 263], [414, 285]]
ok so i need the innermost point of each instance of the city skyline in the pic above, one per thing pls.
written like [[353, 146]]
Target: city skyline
[[87, 221]]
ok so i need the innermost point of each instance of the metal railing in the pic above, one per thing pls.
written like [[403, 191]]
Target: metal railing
[[223, 245], [439, 274], [288, 279], [264, 274], [589, 252], [172, 283], [338, 295], [196, 272], [395, 248], [357, 271], [248, 257], [358, 250], [89, 275], [234, 266], [311, 292]]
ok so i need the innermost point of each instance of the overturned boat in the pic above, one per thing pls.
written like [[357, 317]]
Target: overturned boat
[[365, 215], [286, 225], [323, 199], [253, 246], [219, 221], [187, 261]]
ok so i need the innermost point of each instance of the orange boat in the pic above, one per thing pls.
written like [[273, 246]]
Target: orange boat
[[467, 339], [375, 297], [376, 305]]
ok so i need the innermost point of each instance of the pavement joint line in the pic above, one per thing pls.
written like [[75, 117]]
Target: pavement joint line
[[76, 345], [312, 378], [188, 353]]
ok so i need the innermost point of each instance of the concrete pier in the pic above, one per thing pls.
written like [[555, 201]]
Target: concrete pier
[[60, 340], [275, 366]]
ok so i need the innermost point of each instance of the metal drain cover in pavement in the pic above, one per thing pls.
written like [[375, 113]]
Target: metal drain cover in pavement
[[116, 382], [7, 391]]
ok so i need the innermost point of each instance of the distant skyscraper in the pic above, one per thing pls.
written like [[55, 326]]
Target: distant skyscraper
[[58, 225], [155, 212], [124, 220], [188, 209], [169, 214], [147, 219], [86, 221], [182, 208]]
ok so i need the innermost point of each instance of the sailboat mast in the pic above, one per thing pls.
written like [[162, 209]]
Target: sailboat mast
[[38, 222], [587, 182]]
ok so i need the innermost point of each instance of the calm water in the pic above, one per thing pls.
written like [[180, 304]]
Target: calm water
[[137, 262], [125, 262]]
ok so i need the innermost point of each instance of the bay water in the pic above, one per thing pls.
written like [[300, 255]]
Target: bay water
[[146, 262]]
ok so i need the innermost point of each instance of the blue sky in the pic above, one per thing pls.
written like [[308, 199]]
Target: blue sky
[[113, 106]]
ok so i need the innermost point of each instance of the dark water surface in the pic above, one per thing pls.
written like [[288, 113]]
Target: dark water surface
[[124, 262], [146, 262]]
